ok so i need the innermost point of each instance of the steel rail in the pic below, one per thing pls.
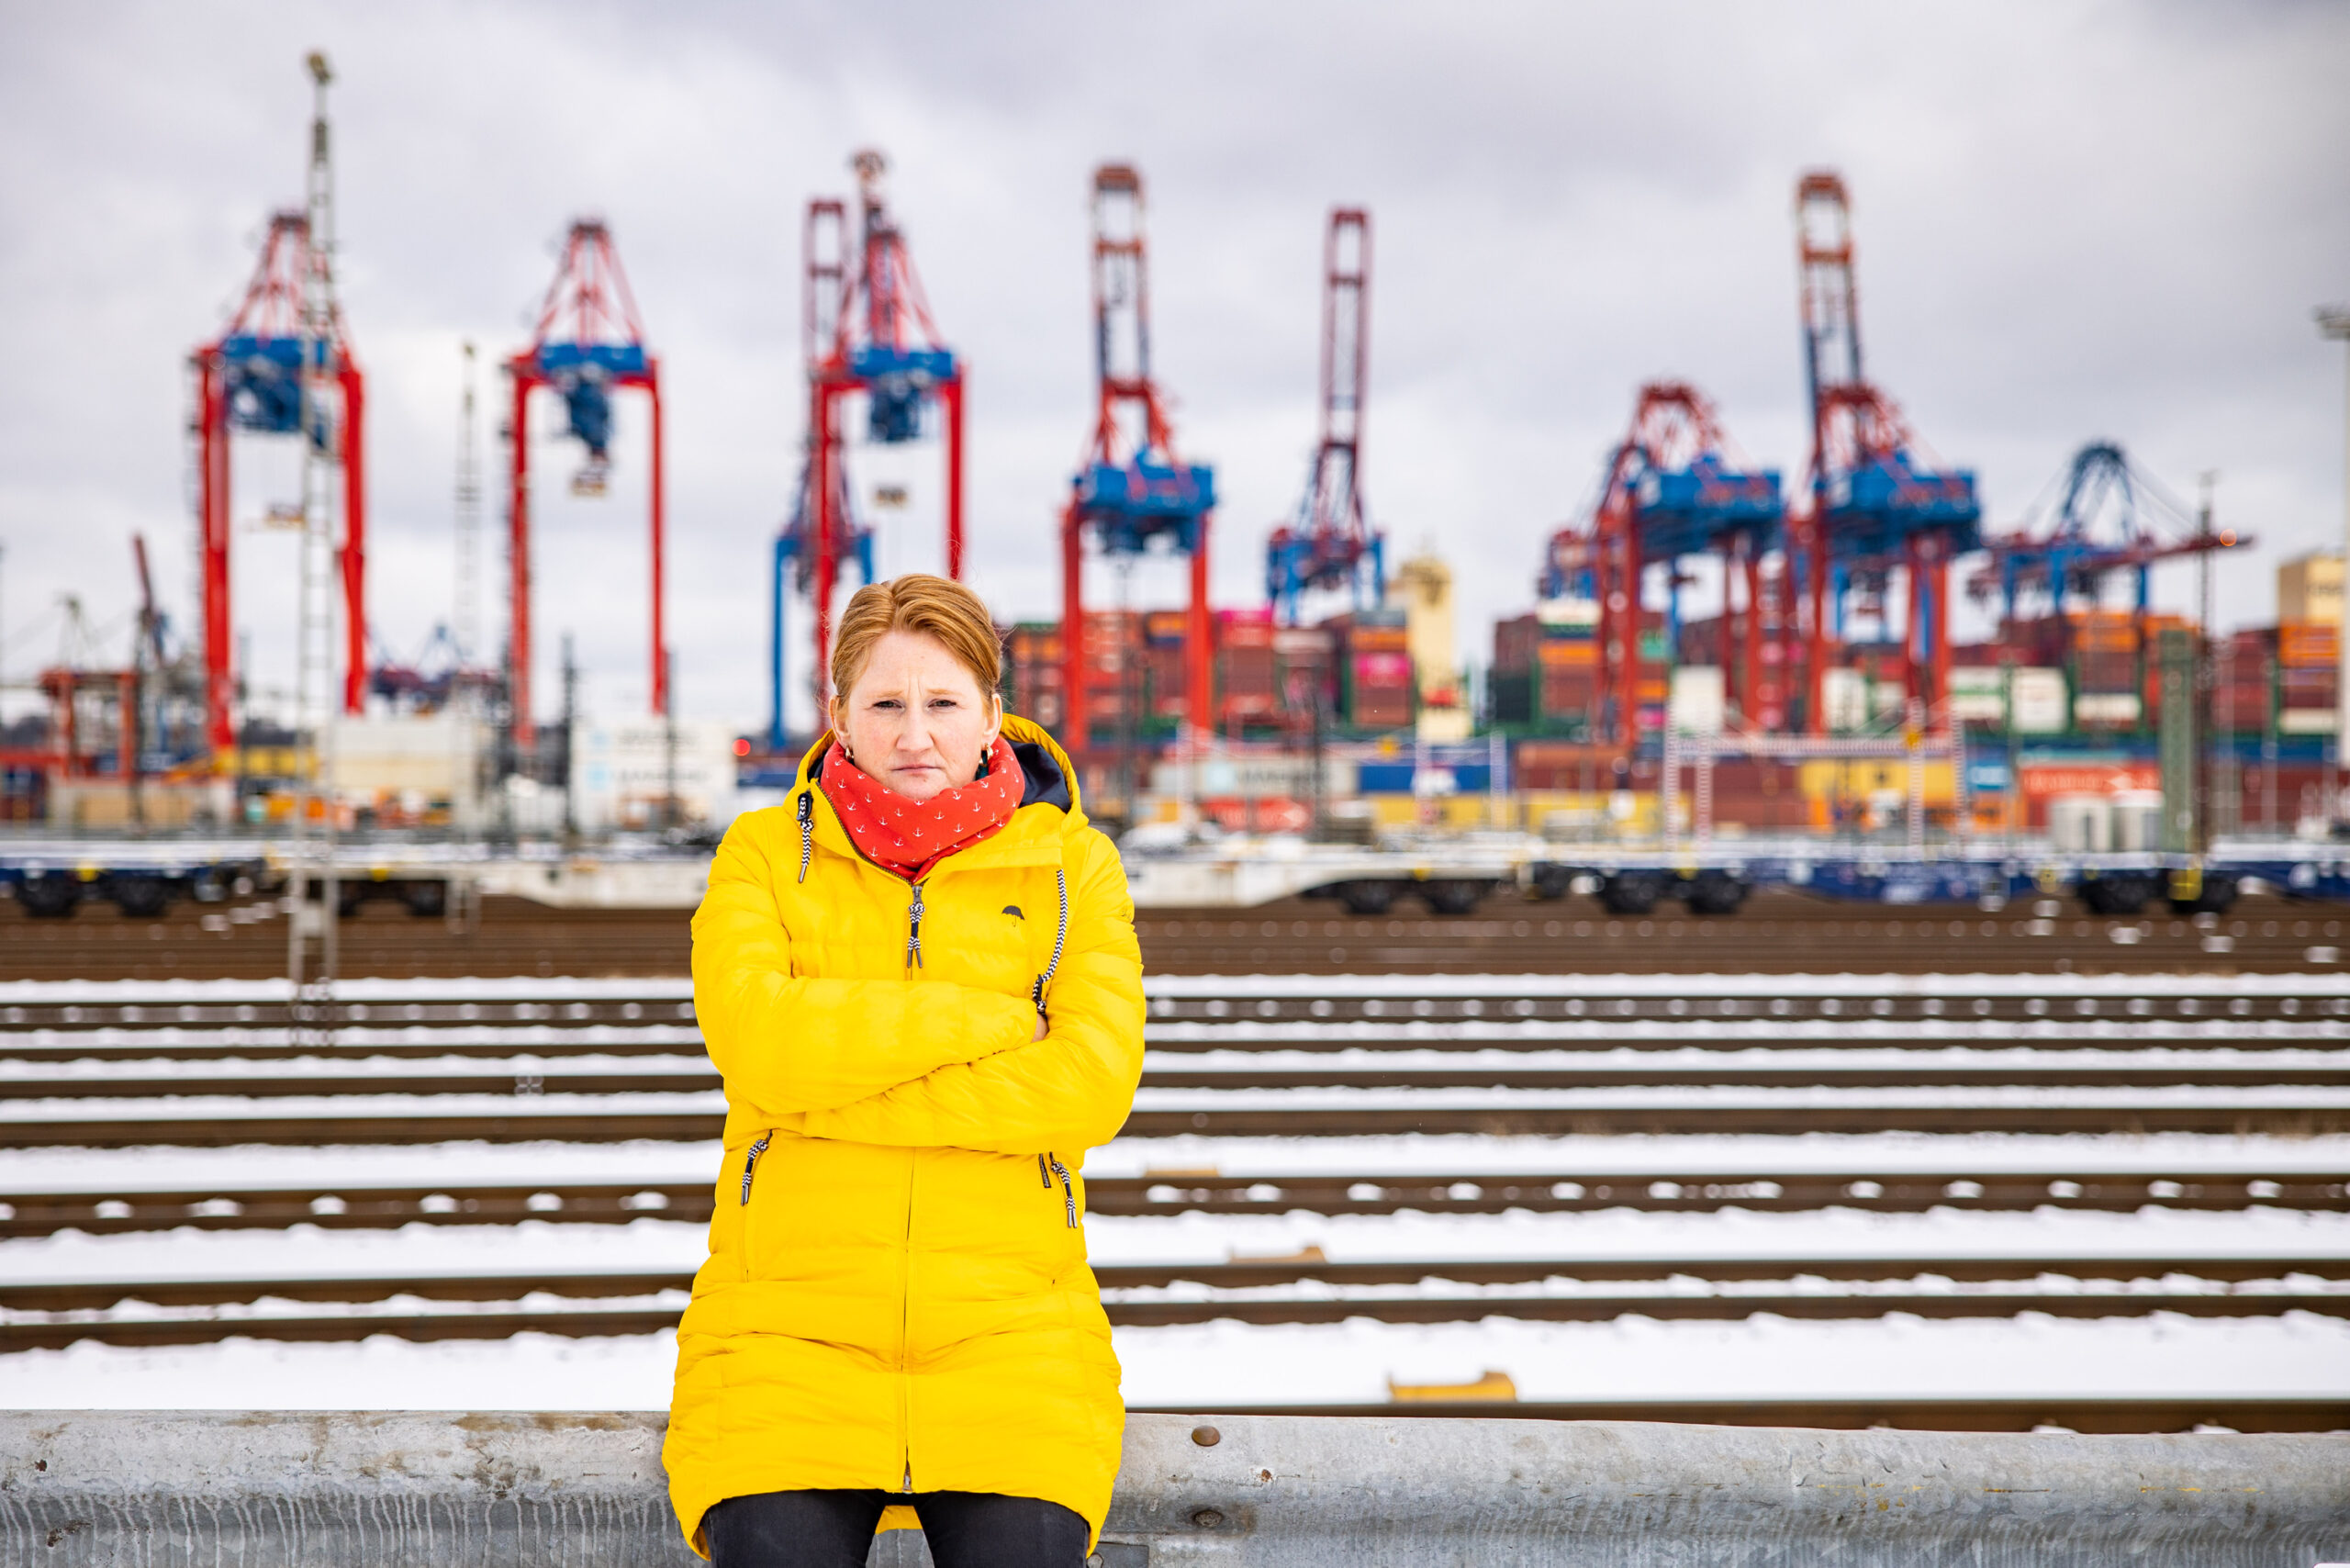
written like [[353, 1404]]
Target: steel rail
[[527, 1118], [1744, 1068], [473, 1316], [365, 1206], [2058, 1414], [1783, 934], [1244, 1274], [1297, 1026]]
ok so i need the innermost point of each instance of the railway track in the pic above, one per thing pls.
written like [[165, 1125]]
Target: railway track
[[1235, 1056], [1777, 932], [48, 1314], [1875, 1189], [2100, 1113], [2056, 1414]]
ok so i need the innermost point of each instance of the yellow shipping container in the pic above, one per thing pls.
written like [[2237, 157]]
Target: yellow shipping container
[[1824, 780]]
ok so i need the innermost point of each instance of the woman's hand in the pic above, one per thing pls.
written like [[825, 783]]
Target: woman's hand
[[1040, 1028]]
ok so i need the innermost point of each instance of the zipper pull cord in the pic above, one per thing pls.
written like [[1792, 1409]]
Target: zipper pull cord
[[807, 830], [1061, 940], [1069, 1192], [914, 932], [1043, 1175], [751, 1163]]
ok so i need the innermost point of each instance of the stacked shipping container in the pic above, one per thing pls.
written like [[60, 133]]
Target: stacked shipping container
[[2307, 676], [1375, 669]]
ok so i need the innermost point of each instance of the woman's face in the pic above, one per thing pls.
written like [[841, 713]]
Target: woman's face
[[916, 720]]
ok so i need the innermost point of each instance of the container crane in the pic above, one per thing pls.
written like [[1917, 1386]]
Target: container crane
[[1872, 497], [1673, 489], [2109, 519], [866, 327], [1330, 546], [250, 379], [1131, 490], [590, 343]]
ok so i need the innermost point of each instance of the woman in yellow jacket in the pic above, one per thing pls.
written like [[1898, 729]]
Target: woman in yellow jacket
[[920, 980]]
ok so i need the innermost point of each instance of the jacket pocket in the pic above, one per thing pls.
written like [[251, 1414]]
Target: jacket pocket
[[743, 1239], [1048, 1166]]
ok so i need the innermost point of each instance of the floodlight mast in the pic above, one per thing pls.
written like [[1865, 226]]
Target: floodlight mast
[[2334, 321], [323, 559]]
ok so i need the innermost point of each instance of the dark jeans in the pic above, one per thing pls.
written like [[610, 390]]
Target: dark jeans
[[834, 1530]]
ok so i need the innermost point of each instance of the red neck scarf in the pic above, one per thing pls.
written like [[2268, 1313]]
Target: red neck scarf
[[910, 837]]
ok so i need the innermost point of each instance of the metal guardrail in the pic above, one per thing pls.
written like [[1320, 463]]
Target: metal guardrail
[[422, 1490]]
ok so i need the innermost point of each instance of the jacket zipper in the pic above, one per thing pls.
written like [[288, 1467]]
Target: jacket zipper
[[1068, 1193], [751, 1163], [905, 1330], [913, 931], [807, 830], [1061, 940]]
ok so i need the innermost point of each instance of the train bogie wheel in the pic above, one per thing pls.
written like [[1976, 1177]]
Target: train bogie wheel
[[1452, 895], [1367, 898], [426, 900], [140, 898], [1715, 895], [48, 898], [1631, 892], [1552, 883], [2217, 896]]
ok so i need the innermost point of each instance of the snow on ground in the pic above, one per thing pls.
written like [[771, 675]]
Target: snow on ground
[[1790, 1102], [1870, 1154], [1232, 1365], [238, 1107], [157, 1168], [357, 1166], [22, 1077], [648, 1245], [307, 1252], [1690, 1061]]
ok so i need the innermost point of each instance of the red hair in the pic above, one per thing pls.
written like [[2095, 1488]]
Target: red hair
[[935, 607]]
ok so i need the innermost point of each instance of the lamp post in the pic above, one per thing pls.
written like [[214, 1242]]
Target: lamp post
[[2334, 321]]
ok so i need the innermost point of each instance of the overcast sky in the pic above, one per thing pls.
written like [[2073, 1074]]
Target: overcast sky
[[2074, 221]]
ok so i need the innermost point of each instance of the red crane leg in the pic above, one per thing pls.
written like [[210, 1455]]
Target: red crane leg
[[125, 740], [1199, 651], [829, 524], [1814, 675], [1073, 729], [660, 554], [1725, 635], [212, 515], [518, 649], [1628, 712], [1750, 664], [952, 390], [354, 539], [1913, 633], [1938, 651], [1611, 633]]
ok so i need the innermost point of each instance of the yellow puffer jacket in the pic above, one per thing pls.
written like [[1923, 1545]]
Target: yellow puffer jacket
[[897, 1294]]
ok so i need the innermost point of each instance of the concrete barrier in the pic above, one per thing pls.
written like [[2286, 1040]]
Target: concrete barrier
[[362, 1490]]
